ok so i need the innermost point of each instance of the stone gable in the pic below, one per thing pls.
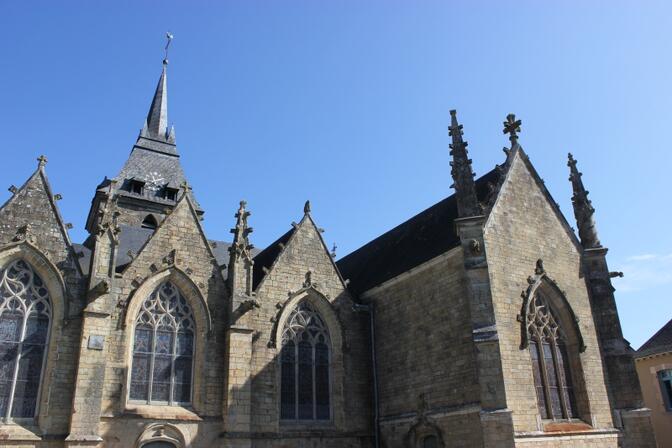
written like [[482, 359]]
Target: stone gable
[[523, 227]]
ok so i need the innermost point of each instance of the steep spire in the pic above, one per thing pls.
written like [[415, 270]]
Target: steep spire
[[583, 209], [463, 176], [156, 124]]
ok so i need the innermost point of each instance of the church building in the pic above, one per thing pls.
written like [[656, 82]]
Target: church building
[[483, 321]]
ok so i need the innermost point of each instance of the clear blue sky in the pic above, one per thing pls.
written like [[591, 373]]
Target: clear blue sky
[[346, 103]]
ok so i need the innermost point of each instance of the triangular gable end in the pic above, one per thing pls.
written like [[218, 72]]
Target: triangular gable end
[[184, 209], [290, 240], [519, 154], [33, 197]]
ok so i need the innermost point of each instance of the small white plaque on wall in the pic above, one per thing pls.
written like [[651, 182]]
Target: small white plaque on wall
[[96, 342]]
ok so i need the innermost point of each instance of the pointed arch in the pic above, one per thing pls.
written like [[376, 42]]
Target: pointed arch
[[549, 329], [201, 327], [37, 340], [541, 283], [186, 285], [323, 307], [48, 272], [310, 354], [149, 222]]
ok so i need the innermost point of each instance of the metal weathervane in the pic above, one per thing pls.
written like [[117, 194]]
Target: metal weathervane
[[169, 38]]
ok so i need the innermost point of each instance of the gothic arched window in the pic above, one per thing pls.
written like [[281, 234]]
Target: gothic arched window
[[163, 348], [305, 360], [25, 315], [550, 362]]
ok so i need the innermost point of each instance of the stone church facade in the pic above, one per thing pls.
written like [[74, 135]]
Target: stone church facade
[[483, 321]]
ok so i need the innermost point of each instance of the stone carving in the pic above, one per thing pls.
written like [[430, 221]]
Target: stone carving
[[463, 176], [583, 208], [530, 309]]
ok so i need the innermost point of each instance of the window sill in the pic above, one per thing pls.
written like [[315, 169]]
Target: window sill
[[307, 425], [566, 426], [161, 412], [19, 431]]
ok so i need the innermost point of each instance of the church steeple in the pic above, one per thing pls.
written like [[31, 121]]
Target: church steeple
[[463, 176], [583, 208], [156, 124]]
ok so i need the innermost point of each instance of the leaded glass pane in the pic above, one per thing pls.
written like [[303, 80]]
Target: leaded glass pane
[[304, 364], [564, 370], [163, 348], [25, 312], [305, 380], [10, 326], [550, 363], [287, 381], [321, 381]]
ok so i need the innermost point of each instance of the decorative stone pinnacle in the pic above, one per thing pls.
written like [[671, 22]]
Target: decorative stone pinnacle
[[185, 186], [512, 127], [306, 207], [463, 176], [583, 208], [42, 161]]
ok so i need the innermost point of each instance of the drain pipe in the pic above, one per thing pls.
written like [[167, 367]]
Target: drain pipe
[[370, 309]]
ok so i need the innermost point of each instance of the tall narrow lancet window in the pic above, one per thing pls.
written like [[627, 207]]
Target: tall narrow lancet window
[[305, 359], [550, 362], [163, 349], [25, 315]]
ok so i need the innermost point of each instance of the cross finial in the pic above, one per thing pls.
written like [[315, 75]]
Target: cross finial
[[306, 207], [333, 250], [185, 185], [41, 161], [169, 39], [512, 127]]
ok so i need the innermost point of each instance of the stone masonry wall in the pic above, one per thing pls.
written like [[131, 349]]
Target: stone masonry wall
[[522, 228], [46, 248], [425, 353], [179, 233], [351, 421]]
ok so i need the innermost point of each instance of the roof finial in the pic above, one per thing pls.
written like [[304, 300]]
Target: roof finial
[[306, 207], [463, 176], [583, 209], [512, 127], [41, 161], [169, 38], [333, 250]]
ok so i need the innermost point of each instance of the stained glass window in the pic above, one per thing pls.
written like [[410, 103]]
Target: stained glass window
[[25, 314], [550, 362], [163, 349], [304, 366]]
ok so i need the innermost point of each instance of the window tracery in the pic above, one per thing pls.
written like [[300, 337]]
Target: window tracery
[[163, 347], [25, 317], [305, 364], [550, 362]]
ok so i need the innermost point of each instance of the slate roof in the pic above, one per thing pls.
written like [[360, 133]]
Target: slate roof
[[658, 343], [266, 257], [427, 235], [134, 238]]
